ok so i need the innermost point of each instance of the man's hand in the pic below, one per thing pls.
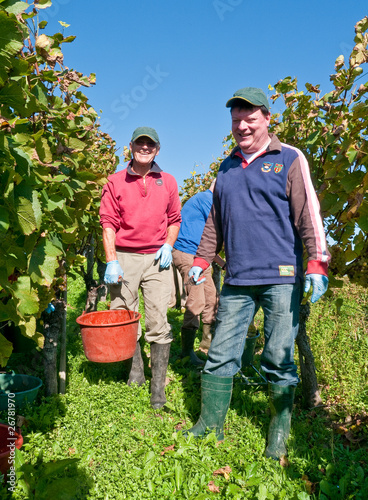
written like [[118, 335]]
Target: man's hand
[[319, 284], [194, 273], [165, 256], [113, 273]]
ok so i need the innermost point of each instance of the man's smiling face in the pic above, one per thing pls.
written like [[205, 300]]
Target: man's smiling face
[[144, 150], [250, 128]]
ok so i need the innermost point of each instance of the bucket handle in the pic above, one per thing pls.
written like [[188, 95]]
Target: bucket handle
[[125, 283]]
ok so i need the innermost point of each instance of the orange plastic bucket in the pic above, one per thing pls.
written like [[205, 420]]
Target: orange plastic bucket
[[109, 336]]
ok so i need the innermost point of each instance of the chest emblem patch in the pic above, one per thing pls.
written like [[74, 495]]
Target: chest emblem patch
[[159, 182], [266, 167], [278, 167]]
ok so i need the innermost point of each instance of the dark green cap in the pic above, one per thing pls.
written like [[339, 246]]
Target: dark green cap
[[146, 132], [250, 94]]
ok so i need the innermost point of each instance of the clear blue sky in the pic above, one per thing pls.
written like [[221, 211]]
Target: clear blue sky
[[172, 65]]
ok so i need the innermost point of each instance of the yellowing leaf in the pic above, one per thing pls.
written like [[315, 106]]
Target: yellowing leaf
[[213, 488], [339, 62], [28, 303], [43, 42], [6, 348]]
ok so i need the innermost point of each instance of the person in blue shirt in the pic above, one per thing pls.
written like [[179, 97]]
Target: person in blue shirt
[[203, 299]]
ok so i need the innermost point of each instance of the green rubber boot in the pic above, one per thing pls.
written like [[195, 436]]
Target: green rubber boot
[[187, 343], [281, 403], [215, 401]]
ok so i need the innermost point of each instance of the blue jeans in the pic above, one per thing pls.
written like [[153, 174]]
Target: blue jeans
[[237, 306]]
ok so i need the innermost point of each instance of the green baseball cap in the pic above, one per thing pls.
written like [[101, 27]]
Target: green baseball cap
[[146, 132], [250, 94]]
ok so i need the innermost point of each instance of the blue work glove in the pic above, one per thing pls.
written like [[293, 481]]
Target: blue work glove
[[50, 308], [165, 255], [319, 284], [113, 272], [194, 273]]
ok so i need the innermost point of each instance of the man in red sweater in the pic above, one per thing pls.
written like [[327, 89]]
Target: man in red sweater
[[140, 217]]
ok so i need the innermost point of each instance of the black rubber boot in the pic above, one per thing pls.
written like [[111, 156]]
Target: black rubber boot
[[215, 401], [206, 337], [281, 403], [136, 368], [187, 343], [159, 360]]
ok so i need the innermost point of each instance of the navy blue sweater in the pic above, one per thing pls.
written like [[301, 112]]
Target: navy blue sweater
[[262, 213]]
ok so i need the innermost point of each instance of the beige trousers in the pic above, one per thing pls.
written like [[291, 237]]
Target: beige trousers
[[141, 271], [201, 299]]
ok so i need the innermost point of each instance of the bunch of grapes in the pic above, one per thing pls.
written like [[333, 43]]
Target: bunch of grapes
[[337, 265], [358, 273], [358, 270]]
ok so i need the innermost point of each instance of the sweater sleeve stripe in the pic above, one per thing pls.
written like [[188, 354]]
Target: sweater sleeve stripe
[[313, 207]]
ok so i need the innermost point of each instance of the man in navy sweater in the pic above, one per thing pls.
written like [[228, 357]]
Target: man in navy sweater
[[264, 209]]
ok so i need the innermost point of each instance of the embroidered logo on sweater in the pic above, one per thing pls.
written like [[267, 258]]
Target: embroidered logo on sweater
[[286, 271], [266, 167], [159, 182], [278, 167]]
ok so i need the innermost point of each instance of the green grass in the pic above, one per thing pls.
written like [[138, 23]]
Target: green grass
[[101, 440]]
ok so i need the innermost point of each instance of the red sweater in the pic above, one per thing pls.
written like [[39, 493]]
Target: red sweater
[[140, 209]]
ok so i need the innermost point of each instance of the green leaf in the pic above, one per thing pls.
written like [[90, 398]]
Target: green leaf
[[328, 489], [55, 201], [59, 489], [352, 153], [313, 138], [352, 180], [28, 299], [13, 95], [15, 257], [303, 496], [44, 262], [233, 489], [262, 492], [86, 175], [40, 92], [363, 224], [25, 215], [23, 162], [16, 7], [76, 144], [6, 348], [28, 329], [20, 67], [29, 212], [51, 468], [43, 150], [179, 476], [5, 65], [69, 39], [12, 34], [43, 4], [4, 220]]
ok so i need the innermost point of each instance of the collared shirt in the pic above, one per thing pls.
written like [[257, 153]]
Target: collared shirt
[[140, 209]]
